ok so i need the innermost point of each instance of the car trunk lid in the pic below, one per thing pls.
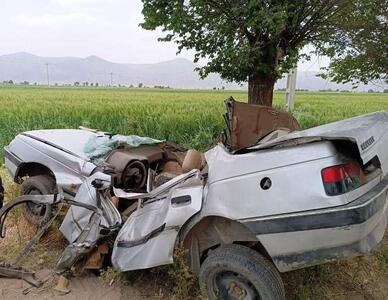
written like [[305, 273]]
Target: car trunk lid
[[369, 132]]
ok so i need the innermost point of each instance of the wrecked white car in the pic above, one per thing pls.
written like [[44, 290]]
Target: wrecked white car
[[265, 201]]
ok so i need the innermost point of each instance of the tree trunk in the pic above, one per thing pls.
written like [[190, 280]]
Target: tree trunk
[[260, 90]]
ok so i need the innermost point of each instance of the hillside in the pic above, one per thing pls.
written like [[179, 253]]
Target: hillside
[[177, 73]]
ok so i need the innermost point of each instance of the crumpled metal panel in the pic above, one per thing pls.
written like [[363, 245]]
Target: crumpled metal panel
[[248, 123], [78, 218], [83, 227], [148, 237]]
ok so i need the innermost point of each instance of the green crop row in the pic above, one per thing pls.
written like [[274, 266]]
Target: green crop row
[[191, 118]]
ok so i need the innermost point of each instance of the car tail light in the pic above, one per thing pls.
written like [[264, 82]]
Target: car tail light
[[342, 178]]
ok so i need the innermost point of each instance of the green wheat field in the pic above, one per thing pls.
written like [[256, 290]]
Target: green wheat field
[[190, 118]]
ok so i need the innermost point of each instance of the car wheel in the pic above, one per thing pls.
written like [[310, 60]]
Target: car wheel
[[38, 214], [238, 272]]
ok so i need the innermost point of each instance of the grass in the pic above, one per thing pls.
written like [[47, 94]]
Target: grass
[[193, 119], [187, 117]]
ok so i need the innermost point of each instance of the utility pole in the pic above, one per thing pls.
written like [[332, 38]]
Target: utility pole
[[111, 78], [47, 74], [290, 89]]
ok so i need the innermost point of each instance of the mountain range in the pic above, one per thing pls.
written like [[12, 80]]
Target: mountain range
[[177, 73]]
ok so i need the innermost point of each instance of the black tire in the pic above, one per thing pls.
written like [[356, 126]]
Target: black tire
[[1, 193], [238, 272], [35, 214]]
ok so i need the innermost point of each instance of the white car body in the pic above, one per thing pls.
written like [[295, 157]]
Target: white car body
[[290, 216]]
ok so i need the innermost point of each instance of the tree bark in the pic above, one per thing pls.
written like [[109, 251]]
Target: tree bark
[[260, 90]]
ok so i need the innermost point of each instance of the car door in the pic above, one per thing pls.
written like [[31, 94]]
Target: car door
[[148, 237]]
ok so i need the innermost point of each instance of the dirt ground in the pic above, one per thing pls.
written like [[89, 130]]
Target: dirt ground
[[355, 278], [86, 287]]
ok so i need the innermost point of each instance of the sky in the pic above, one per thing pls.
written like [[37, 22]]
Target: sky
[[80, 28]]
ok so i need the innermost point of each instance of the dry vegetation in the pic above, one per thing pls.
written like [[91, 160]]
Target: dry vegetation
[[191, 118], [19, 231]]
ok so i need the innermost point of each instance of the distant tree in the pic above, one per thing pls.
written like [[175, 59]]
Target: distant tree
[[96, 84], [140, 85], [76, 83], [91, 84], [25, 83], [10, 82], [385, 91]]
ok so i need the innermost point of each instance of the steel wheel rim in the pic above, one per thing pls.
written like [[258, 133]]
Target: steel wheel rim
[[233, 286]]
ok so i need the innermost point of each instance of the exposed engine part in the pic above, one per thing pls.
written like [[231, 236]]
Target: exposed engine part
[[134, 175], [131, 165]]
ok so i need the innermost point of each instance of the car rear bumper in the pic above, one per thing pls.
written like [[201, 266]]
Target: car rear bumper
[[300, 240]]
